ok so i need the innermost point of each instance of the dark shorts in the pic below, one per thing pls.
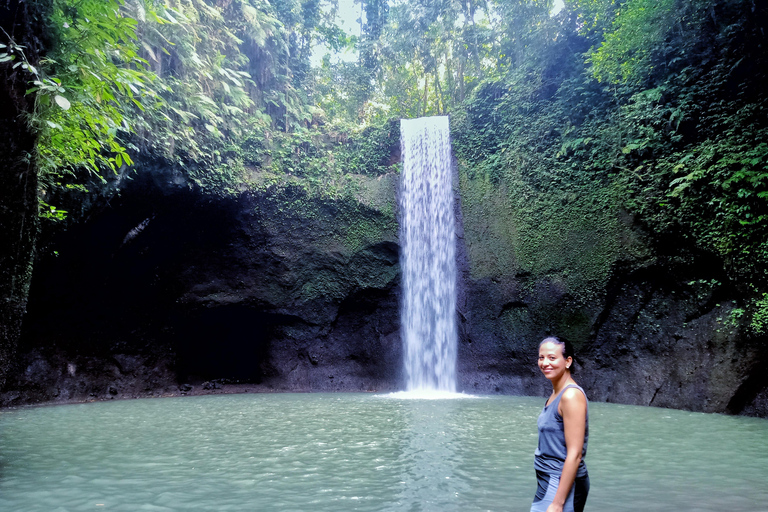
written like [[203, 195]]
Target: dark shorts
[[547, 487]]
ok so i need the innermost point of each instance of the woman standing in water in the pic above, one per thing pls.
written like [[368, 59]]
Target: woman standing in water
[[561, 474]]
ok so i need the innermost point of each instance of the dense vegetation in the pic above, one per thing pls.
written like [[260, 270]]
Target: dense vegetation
[[656, 104]]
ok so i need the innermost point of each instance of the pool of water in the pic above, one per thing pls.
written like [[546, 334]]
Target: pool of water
[[337, 452]]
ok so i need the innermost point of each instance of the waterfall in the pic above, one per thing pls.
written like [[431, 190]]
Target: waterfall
[[428, 255]]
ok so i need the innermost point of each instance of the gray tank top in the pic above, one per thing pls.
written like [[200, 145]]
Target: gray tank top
[[550, 454]]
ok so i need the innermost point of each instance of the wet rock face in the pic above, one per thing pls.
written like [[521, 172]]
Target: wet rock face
[[654, 321], [168, 287], [666, 343], [661, 338], [170, 292], [50, 374]]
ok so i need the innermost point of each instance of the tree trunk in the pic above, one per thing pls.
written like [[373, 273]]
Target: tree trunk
[[439, 96], [23, 23]]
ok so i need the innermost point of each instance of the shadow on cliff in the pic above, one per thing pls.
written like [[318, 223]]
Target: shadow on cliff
[[165, 286]]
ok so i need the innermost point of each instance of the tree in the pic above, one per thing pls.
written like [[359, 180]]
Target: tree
[[68, 70], [23, 44]]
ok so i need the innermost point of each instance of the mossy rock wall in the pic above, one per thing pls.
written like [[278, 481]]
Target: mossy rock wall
[[651, 323], [168, 288]]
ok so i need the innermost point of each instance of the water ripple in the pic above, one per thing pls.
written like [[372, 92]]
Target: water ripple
[[331, 452]]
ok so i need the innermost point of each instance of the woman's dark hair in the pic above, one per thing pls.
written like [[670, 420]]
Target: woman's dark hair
[[567, 347]]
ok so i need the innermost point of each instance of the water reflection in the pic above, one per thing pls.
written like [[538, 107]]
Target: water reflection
[[429, 458]]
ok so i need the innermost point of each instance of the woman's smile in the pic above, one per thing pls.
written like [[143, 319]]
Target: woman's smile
[[551, 360]]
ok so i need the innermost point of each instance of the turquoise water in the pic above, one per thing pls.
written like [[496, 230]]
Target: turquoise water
[[336, 452]]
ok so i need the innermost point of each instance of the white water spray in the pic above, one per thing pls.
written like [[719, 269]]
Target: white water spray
[[428, 255]]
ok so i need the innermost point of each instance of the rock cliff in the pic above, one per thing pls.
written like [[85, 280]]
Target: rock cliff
[[168, 290]]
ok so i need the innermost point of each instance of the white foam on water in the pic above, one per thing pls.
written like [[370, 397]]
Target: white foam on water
[[427, 394]]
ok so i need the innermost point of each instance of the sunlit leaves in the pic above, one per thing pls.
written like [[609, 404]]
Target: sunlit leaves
[[594, 16], [521, 30], [639, 30], [62, 102], [85, 87]]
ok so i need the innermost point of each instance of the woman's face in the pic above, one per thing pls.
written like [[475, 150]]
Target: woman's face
[[551, 361]]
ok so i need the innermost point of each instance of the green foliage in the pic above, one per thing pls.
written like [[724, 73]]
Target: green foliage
[[697, 150], [51, 213], [370, 151], [759, 323], [676, 137], [523, 28], [639, 30], [424, 58], [180, 83], [196, 55], [656, 107], [338, 93], [594, 16], [226, 179], [326, 163], [84, 88]]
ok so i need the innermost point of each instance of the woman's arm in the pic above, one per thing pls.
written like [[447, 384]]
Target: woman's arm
[[573, 409]]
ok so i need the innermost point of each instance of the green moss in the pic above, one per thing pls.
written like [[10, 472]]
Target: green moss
[[361, 229], [491, 229], [323, 284], [331, 245], [571, 235], [328, 165]]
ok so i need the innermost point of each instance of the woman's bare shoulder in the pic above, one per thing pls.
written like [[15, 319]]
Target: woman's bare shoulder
[[574, 395]]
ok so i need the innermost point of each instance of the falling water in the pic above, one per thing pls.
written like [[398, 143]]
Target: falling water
[[428, 257]]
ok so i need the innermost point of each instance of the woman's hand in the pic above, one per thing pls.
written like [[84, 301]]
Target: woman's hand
[[555, 508]]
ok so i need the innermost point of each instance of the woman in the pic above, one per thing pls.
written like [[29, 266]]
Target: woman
[[561, 474]]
